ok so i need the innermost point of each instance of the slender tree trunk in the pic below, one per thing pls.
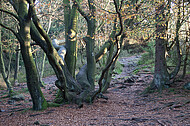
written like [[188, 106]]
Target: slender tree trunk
[[107, 77], [186, 58], [2, 65], [44, 56], [42, 68], [17, 63], [2, 70], [108, 74], [90, 45], [178, 25]]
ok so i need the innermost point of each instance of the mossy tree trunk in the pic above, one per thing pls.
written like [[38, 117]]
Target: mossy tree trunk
[[108, 74], [39, 102], [90, 45], [70, 19], [88, 74], [73, 90]]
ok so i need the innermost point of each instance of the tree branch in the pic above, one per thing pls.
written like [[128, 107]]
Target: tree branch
[[8, 29], [8, 12], [39, 27], [16, 34], [114, 58], [76, 4]]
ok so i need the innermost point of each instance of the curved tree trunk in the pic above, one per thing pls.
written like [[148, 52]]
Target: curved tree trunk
[[108, 74], [72, 91], [178, 25], [32, 77]]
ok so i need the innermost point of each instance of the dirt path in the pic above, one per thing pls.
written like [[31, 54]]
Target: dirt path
[[124, 107], [129, 65]]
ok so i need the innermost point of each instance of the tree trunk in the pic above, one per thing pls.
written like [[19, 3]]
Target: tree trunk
[[186, 56], [161, 75], [2, 65], [2, 70], [108, 74], [32, 77], [91, 62], [70, 18], [178, 25], [17, 63]]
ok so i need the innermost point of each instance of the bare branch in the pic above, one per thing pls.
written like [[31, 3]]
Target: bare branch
[[8, 12], [16, 34], [8, 29]]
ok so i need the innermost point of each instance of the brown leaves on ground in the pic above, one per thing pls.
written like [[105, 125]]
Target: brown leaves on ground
[[125, 107]]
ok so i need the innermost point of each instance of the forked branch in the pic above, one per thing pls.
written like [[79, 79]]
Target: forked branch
[[116, 53]]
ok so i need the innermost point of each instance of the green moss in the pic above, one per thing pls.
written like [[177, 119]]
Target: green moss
[[44, 104], [118, 68], [23, 90], [25, 110], [148, 90], [53, 104], [171, 90], [136, 71], [58, 100]]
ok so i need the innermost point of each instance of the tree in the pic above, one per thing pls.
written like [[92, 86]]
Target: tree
[[74, 90], [2, 64], [163, 77], [81, 89], [71, 19], [23, 36]]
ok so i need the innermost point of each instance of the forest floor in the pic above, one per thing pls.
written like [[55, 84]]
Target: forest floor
[[125, 105]]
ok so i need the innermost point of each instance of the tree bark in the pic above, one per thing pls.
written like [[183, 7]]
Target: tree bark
[[161, 75], [33, 84], [17, 63], [70, 18]]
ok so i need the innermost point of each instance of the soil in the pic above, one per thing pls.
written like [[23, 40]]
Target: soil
[[126, 106]]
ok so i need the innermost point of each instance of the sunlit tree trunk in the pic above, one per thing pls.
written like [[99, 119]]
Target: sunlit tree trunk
[[89, 73], [70, 18], [108, 74], [178, 25], [33, 84]]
